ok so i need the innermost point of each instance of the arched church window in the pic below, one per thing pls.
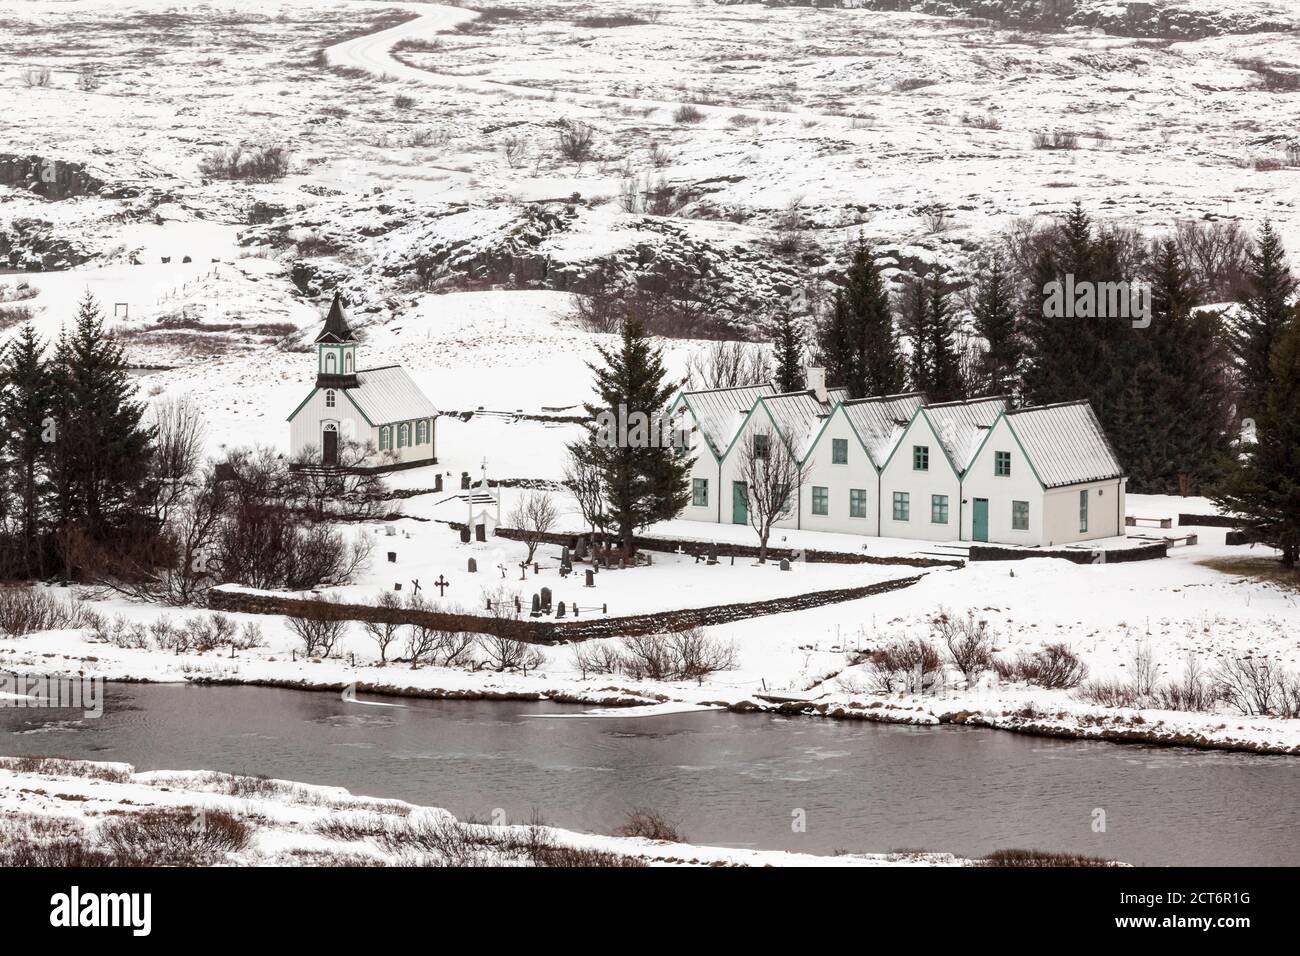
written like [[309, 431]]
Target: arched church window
[[403, 436], [385, 439], [329, 398], [421, 432], [330, 363], [347, 362]]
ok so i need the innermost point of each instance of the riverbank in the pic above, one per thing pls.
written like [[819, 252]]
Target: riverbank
[[65, 812]]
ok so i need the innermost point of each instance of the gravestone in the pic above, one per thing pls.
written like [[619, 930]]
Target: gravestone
[[785, 564], [566, 562], [559, 611], [519, 607], [591, 578], [392, 557], [437, 482], [537, 606], [473, 566], [546, 598], [397, 586], [580, 549], [480, 532], [464, 535]]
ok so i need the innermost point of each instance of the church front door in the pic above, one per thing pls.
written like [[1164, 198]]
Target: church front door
[[330, 454]]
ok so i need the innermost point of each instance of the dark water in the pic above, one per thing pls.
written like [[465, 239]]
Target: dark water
[[729, 779]]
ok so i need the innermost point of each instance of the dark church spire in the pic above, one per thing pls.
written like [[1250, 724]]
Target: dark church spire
[[336, 326]]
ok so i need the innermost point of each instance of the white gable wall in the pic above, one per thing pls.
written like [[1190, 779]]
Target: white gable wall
[[705, 467], [1022, 485], [940, 479], [309, 422], [758, 422], [838, 480]]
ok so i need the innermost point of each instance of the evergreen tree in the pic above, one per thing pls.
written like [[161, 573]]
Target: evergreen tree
[[645, 479], [26, 400], [945, 367], [875, 366], [914, 318], [101, 447], [787, 349], [834, 349], [1265, 488], [1264, 316], [994, 312]]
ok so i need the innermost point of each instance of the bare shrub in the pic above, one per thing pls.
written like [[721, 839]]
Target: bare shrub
[[904, 665], [726, 364], [185, 836], [936, 218], [507, 654], [1109, 693], [62, 767], [576, 140], [384, 633], [1055, 666], [515, 149], [1193, 692], [1257, 686], [26, 610], [686, 114], [259, 164], [596, 657], [36, 76], [685, 654], [969, 643], [1041, 858], [403, 101], [319, 627], [650, 825], [1056, 139]]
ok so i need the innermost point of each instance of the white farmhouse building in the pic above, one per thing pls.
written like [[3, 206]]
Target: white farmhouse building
[[381, 407], [896, 466]]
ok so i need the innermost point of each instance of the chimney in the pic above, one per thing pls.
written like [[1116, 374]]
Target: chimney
[[817, 383]]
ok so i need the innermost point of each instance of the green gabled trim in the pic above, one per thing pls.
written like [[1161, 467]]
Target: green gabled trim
[[739, 431], [684, 398], [1012, 428], [920, 412], [987, 435], [772, 418], [839, 407], [294, 414]]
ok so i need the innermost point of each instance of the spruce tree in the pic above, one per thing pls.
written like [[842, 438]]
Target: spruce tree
[[102, 447], [994, 311], [1265, 488], [645, 479], [26, 401], [834, 349], [914, 319], [787, 349], [945, 366], [875, 368], [1265, 314]]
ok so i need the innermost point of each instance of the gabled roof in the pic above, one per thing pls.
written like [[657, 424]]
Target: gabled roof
[[961, 426], [336, 325], [799, 418], [1065, 444], [880, 422], [720, 412], [388, 394]]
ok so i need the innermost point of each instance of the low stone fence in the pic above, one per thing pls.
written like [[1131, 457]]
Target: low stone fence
[[705, 548], [544, 632], [1148, 552], [1208, 521]]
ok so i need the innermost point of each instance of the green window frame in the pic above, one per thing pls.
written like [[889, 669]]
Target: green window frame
[[857, 502], [839, 451], [422, 432], [1020, 516], [385, 439], [920, 457], [902, 506], [938, 509], [821, 500], [403, 435], [1083, 511], [699, 492], [1002, 464]]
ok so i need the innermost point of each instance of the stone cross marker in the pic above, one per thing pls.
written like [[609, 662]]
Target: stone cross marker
[[442, 584]]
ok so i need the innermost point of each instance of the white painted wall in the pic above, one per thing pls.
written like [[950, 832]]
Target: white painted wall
[[706, 467], [940, 479], [308, 424], [1105, 512], [1022, 485], [838, 480], [759, 421]]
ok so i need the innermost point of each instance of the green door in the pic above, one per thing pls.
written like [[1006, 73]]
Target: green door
[[739, 512], [980, 520]]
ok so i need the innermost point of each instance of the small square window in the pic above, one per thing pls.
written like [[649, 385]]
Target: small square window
[[699, 492], [921, 457], [1002, 464], [820, 500], [1020, 516], [939, 509], [760, 445], [839, 451], [857, 502], [902, 506]]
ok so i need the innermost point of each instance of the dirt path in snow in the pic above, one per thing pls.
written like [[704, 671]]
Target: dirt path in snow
[[374, 54]]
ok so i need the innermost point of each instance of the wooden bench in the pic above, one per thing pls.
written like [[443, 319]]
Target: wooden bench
[[1131, 521]]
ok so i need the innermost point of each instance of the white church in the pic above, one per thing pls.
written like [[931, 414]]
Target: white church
[[899, 466], [382, 406]]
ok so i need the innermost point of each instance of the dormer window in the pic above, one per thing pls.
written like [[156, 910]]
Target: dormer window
[[329, 398]]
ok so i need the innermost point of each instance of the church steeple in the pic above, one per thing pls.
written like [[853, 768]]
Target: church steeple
[[336, 350]]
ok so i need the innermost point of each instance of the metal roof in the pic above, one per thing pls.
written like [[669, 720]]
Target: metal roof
[[880, 422], [388, 394], [799, 418], [1065, 443], [961, 426], [336, 325], [719, 412]]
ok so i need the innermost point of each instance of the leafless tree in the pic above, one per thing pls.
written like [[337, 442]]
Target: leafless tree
[[576, 139], [177, 451], [772, 477], [350, 491], [1216, 253], [384, 633], [515, 150], [534, 515], [970, 646], [319, 627], [587, 483], [789, 227], [728, 365]]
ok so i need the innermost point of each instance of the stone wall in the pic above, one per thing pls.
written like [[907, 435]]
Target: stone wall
[[1149, 552]]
